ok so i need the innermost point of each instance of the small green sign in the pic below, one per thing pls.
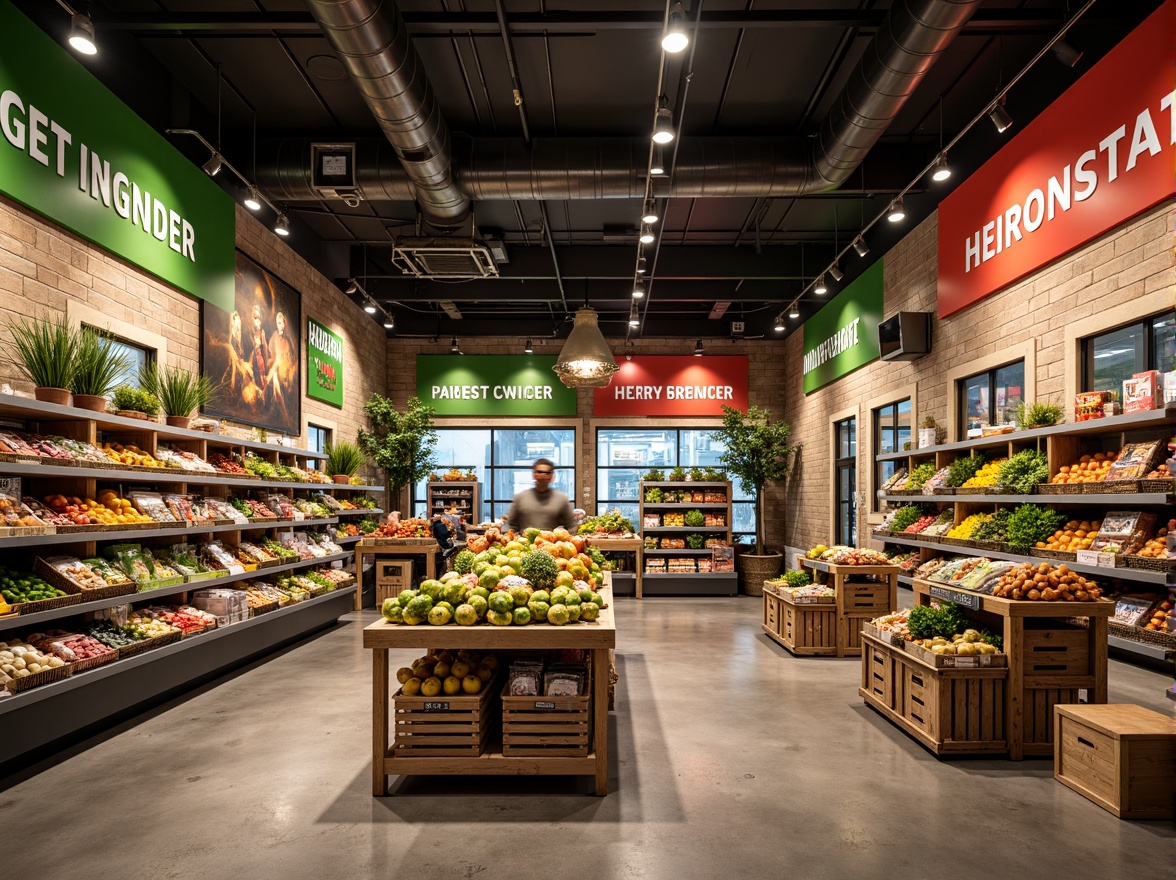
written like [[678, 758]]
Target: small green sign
[[493, 385], [843, 335], [74, 153], [324, 364]]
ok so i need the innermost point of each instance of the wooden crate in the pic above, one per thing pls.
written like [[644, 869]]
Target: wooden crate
[[808, 629], [444, 726], [1050, 649], [880, 672], [393, 576], [1122, 757], [546, 727], [864, 596], [772, 613], [1037, 706]]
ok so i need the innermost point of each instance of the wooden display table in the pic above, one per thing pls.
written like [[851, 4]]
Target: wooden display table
[[621, 545], [425, 547], [831, 628], [1049, 659], [599, 637]]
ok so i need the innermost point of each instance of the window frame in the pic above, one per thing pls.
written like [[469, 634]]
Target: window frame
[[842, 465], [1146, 327], [961, 385], [876, 429], [327, 432]]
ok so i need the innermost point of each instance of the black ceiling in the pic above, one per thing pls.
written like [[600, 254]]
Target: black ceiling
[[590, 69]]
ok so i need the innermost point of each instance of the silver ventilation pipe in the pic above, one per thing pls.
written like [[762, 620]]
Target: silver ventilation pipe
[[371, 40], [911, 38]]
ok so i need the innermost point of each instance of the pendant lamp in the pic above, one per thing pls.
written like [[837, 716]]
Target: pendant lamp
[[585, 361]]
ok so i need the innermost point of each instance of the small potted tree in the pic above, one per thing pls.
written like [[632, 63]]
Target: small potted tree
[[402, 444], [343, 461], [757, 453], [180, 392], [45, 348], [98, 366]]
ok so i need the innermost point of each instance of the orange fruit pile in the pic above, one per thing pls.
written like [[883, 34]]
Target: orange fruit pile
[[1073, 536], [1089, 469]]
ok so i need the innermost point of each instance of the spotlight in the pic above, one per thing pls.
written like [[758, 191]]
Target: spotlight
[[646, 234], [1000, 118], [253, 199], [779, 328], [638, 289], [698, 349], [859, 245], [793, 311], [663, 126], [820, 289], [941, 171], [352, 286], [214, 164], [453, 348], [634, 318], [650, 215], [81, 34], [388, 325], [658, 167], [896, 211], [675, 39], [641, 265], [1066, 53], [282, 225], [528, 348], [370, 307], [835, 271]]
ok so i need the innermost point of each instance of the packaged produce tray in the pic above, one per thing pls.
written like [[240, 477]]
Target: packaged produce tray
[[148, 644], [1110, 487], [885, 636], [1147, 563], [36, 679], [74, 597], [546, 726], [955, 661], [1144, 636], [51, 575]]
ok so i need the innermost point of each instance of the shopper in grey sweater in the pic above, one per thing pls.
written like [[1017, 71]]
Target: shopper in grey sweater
[[541, 507]]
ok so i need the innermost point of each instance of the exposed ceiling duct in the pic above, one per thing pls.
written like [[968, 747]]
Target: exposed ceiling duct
[[371, 40], [911, 38]]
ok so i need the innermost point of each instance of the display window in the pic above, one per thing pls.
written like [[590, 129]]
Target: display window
[[623, 455], [845, 468], [991, 397], [892, 430], [318, 439], [138, 358], [1111, 357], [502, 459]]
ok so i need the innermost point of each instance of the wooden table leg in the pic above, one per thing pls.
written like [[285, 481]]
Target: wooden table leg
[[600, 717], [430, 565], [1014, 646], [1098, 659], [379, 721]]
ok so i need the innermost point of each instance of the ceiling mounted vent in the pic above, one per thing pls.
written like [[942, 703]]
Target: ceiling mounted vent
[[443, 258]]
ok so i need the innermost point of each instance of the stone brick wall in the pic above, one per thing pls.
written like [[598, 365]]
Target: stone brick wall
[[43, 269]]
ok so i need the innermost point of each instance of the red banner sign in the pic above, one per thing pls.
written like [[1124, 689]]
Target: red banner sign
[[675, 386], [1100, 154]]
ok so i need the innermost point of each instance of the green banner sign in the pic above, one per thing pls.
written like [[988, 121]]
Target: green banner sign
[[74, 153], [324, 364], [843, 335], [493, 385]]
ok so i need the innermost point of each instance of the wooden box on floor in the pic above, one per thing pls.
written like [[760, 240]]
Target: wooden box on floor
[[1122, 757], [393, 577], [546, 726], [950, 711], [444, 725]]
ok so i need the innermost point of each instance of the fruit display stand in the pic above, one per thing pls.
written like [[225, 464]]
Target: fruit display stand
[[462, 495], [831, 628], [598, 636], [1054, 650], [695, 581], [393, 548], [607, 546]]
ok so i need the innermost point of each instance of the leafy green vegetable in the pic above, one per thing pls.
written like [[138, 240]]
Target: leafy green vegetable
[[540, 569], [797, 577], [905, 516], [654, 495], [695, 542], [994, 529], [926, 622], [694, 518], [963, 469], [1031, 523], [677, 475], [1023, 471], [599, 559], [919, 475], [610, 522]]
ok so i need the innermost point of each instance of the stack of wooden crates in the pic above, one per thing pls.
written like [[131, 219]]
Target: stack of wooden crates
[[393, 576]]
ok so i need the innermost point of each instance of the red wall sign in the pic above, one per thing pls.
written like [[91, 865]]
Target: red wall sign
[[1100, 154], [675, 386]]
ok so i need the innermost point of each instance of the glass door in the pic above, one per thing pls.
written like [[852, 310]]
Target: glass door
[[845, 475]]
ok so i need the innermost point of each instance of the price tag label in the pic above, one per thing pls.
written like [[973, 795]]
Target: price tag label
[[236, 568], [544, 705], [1093, 557], [967, 600], [436, 707]]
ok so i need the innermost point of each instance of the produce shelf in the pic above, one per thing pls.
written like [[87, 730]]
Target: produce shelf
[[360, 512], [1138, 575], [1053, 500], [21, 620], [685, 505], [700, 551], [163, 532], [722, 529], [1140, 649]]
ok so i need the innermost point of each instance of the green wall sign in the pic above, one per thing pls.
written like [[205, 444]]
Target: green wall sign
[[74, 153], [493, 385], [843, 335], [324, 364]]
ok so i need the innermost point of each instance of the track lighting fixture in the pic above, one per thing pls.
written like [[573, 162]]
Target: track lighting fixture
[[859, 245], [214, 164], [663, 126], [820, 288], [1000, 117], [634, 318], [352, 286], [1066, 53], [835, 271], [81, 34], [698, 349], [657, 168], [453, 346], [896, 211], [638, 288], [388, 325], [641, 265], [941, 171], [370, 307], [675, 39], [794, 311], [779, 328], [253, 198], [647, 236], [282, 224], [528, 348], [650, 213]]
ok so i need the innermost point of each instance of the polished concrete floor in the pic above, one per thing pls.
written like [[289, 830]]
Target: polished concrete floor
[[731, 758]]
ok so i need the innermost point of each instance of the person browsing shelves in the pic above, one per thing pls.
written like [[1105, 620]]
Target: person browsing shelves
[[540, 507]]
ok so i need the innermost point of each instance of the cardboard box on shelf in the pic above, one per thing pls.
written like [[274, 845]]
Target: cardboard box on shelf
[[1142, 392]]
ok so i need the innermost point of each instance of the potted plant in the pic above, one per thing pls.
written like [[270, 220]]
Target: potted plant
[[98, 365], [402, 444], [927, 429], [134, 402], [45, 348], [757, 453], [1038, 415], [343, 461], [180, 392]]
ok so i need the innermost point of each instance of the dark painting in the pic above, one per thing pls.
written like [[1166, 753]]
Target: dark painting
[[254, 352]]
